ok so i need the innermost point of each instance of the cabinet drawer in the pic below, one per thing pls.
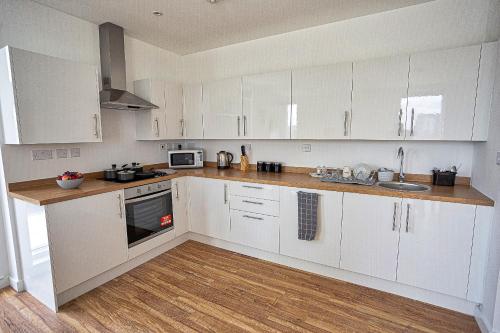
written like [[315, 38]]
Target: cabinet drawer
[[254, 205], [255, 230], [253, 190]]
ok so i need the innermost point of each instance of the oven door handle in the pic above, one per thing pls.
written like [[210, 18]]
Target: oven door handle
[[146, 197]]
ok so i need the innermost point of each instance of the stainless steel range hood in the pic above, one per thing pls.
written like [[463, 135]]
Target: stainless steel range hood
[[114, 83]]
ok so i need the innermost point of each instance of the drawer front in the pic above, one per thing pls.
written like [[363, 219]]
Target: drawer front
[[255, 230], [253, 190], [255, 205]]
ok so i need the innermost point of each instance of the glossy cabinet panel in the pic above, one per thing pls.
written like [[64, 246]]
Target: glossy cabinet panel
[[370, 235], [266, 106], [442, 94], [222, 109], [321, 107], [151, 124], [435, 246], [325, 248], [192, 111], [180, 206], [173, 111], [255, 230], [379, 98]]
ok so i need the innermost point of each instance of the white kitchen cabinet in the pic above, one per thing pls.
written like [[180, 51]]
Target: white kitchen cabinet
[[87, 237], [180, 203], [321, 107], [325, 248], [255, 230], [370, 235], [192, 109], [222, 109], [379, 97], [209, 207], [45, 99], [435, 245], [164, 122], [442, 94], [266, 105]]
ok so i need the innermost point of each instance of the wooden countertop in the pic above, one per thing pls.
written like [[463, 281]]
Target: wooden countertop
[[46, 191]]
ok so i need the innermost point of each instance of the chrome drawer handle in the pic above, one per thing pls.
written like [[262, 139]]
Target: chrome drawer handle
[[394, 216], [346, 118], [253, 217], [253, 202], [412, 121], [400, 128], [407, 217], [120, 205], [253, 187]]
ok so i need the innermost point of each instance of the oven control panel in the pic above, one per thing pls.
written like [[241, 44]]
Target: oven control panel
[[139, 191]]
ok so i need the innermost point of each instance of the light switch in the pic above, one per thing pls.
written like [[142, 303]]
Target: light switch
[[62, 153], [75, 152], [306, 147], [42, 154]]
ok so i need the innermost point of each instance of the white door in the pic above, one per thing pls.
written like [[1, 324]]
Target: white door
[[88, 236], [442, 94], [151, 124], [255, 230], [222, 115], [266, 105], [173, 111], [379, 98], [435, 245], [321, 107], [370, 235], [56, 100], [209, 207], [179, 202], [192, 110], [325, 248]]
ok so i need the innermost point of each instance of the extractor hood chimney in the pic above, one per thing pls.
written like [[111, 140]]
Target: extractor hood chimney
[[114, 83]]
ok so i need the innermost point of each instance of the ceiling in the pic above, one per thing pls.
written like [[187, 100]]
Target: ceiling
[[189, 26]]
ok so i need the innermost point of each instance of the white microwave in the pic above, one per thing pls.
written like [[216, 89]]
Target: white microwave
[[180, 159]]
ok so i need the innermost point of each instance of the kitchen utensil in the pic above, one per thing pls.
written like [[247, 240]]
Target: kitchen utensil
[[385, 175], [362, 171], [443, 178], [244, 163], [136, 167], [110, 174], [70, 183], [125, 175], [144, 175], [224, 159]]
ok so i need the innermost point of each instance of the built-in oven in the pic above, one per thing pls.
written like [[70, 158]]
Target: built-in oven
[[149, 211]]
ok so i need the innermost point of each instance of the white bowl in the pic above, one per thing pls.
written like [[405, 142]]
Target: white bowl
[[385, 176], [70, 183]]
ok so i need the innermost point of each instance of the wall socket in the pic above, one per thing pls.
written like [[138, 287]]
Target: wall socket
[[62, 153], [41, 154], [306, 148], [163, 147], [75, 152]]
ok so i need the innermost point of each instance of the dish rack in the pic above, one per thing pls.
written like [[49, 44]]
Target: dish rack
[[336, 177]]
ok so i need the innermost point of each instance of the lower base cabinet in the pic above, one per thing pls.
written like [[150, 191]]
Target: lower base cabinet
[[255, 230], [325, 248], [179, 204]]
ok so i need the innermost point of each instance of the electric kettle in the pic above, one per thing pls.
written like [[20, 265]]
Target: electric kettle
[[224, 160]]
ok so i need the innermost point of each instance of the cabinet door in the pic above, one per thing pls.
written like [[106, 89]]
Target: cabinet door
[[370, 235], [209, 207], [173, 111], [325, 248], [180, 200], [442, 94], [266, 105], [151, 124], [435, 246], [222, 116], [192, 109], [54, 100], [321, 107], [255, 230], [88, 236], [379, 98]]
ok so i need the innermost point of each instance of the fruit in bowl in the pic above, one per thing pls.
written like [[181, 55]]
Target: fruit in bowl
[[69, 180]]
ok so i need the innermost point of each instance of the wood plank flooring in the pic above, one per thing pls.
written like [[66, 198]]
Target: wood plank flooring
[[199, 288]]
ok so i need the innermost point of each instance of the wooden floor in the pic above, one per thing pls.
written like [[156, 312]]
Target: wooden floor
[[199, 288]]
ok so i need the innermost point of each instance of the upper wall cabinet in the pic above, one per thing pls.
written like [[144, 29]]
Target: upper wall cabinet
[[48, 100], [321, 107], [266, 106], [222, 109], [193, 115], [442, 94], [380, 88], [165, 122]]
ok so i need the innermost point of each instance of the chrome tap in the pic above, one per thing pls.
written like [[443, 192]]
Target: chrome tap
[[401, 155]]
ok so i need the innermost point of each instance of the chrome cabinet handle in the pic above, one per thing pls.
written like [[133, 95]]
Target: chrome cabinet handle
[[407, 217], [182, 127], [253, 202], [394, 216], [238, 120], [225, 194], [412, 120], [244, 125], [177, 190], [253, 187], [400, 127], [253, 217], [120, 205], [96, 125], [157, 124], [346, 119]]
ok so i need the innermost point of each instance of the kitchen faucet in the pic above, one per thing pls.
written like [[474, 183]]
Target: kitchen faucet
[[401, 155]]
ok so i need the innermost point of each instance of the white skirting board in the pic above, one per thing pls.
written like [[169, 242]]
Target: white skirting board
[[483, 324], [4, 282], [418, 294]]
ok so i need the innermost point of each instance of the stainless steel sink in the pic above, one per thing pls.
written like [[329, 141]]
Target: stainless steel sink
[[407, 187]]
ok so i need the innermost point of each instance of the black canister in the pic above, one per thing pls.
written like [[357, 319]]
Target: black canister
[[277, 167], [260, 166], [269, 166]]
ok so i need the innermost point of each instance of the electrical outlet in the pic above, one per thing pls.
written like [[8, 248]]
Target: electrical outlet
[[62, 153], [75, 152], [163, 147], [306, 148], [42, 154], [498, 157]]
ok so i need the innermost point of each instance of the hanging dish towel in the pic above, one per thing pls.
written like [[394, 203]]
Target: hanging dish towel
[[308, 215]]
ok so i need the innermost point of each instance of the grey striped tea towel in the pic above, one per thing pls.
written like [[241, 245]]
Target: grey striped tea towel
[[308, 215]]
